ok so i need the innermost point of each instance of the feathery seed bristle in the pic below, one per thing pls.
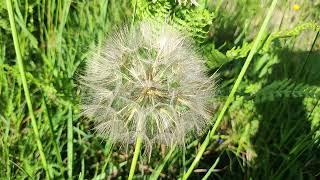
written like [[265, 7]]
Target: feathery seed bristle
[[147, 80]]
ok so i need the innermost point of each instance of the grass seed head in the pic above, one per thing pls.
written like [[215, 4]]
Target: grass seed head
[[149, 81]]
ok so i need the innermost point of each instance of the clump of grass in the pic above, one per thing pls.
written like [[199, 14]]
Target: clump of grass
[[281, 128]]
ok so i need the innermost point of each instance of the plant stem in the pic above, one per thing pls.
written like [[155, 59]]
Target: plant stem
[[7, 149], [134, 13], [157, 172], [53, 136], [233, 90], [25, 87], [211, 169], [218, 7], [70, 143], [135, 156], [299, 74]]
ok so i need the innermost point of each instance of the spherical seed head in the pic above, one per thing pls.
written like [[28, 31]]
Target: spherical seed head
[[149, 81]]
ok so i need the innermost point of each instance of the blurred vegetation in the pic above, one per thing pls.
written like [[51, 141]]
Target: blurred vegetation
[[270, 131]]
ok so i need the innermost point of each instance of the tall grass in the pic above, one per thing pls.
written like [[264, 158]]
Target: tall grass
[[268, 126], [25, 87], [254, 49]]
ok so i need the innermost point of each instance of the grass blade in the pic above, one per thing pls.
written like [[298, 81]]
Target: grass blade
[[25, 87], [211, 169], [156, 173], [233, 90], [70, 143], [53, 136]]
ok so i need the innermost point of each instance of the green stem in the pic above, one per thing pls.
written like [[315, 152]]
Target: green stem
[[7, 149], [135, 156], [70, 143], [233, 90], [53, 136], [134, 13], [198, 157], [211, 169], [218, 7], [157, 172], [25, 87]]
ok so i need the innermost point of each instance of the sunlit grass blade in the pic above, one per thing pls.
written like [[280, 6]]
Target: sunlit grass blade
[[5, 143], [155, 174], [211, 169], [53, 136], [70, 142], [25, 87], [211, 133]]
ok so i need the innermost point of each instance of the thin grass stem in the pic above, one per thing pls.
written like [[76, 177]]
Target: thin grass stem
[[25, 87], [218, 7], [134, 13], [233, 90], [211, 169], [53, 136], [6, 147], [70, 143], [155, 174]]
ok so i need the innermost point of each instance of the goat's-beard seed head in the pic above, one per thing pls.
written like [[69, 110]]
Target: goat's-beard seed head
[[149, 81]]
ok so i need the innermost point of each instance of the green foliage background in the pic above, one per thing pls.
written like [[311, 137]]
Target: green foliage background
[[271, 130]]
